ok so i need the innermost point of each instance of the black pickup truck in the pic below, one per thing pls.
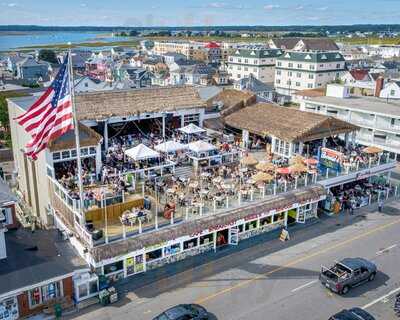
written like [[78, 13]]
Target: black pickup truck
[[347, 273]]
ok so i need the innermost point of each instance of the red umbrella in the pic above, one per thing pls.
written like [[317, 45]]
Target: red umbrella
[[311, 161], [283, 170]]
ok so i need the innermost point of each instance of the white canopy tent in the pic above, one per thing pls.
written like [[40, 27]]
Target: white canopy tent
[[170, 146], [201, 146], [141, 152], [192, 129]]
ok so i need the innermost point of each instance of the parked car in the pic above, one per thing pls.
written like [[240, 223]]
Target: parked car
[[184, 312], [348, 273], [352, 314]]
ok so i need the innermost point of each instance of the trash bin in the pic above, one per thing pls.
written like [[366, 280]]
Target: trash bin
[[104, 297], [57, 310]]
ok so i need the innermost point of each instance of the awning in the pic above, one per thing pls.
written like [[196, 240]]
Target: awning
[[170, 146], [201, 146], [141, 152], [191, 129]]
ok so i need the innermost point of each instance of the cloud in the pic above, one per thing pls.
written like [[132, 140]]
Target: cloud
[[12, 5], [322, 8], [271, 7], [83, 5], [299, 8], [224, 5]]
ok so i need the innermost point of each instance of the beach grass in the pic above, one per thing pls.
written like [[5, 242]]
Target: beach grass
[[63, 46]]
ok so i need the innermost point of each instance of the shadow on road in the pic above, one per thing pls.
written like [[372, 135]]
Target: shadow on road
[[379, 281]]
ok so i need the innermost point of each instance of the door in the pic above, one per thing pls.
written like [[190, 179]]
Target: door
[[234, 236]]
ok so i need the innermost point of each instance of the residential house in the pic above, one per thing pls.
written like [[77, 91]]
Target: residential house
[[221, 78], [172, 57], [257, 60], [98, 66], [213, 51], [263, 91], [391, 90], [31, 70], [187, 48], [11, 64], [283, 43], [161, 79], [192, 74], [360, 81]]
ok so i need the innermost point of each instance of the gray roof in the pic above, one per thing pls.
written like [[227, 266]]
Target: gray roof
[[319, 44], [253, 84], [366, 104], [31, 62], [54, 257], [258, 52], [285, 43], [312, 56], [208, 92]]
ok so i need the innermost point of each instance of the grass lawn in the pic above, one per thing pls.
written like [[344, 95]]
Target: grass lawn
[[62, 46]]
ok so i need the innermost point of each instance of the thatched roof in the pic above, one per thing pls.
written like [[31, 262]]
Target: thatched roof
[[123, 103], [278, 202], [87, 137], [287, 124]]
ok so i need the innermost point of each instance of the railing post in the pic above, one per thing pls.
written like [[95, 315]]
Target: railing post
[[215, 205], [172, 216], [187, 213], [275, 188], [306, 180], [295, 182], [327, 173]]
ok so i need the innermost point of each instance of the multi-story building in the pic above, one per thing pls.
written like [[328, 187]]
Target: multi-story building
[[187, 48], [378, 118], [258, 61], [300, 70]]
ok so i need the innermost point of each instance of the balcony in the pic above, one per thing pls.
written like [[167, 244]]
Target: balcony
[[164, 201]]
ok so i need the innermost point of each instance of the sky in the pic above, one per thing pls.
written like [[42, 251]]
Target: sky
[[198, 12]]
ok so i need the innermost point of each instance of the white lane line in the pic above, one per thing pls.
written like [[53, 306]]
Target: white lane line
[[304, 285], [381, 298], [386, 249]]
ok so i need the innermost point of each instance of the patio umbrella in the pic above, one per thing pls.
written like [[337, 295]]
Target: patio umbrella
[[265, 166], [261, 177], [298, 168], [285, 170], [296, 159], [372, 150], [249, 161], [311, 161]]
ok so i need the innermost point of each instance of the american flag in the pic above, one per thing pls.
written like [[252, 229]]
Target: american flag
[[51, 115]]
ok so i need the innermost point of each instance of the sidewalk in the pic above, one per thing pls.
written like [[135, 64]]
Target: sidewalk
[[298, 233]]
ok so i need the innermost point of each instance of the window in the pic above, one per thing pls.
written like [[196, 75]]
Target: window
[[56, 156], [45, 293], [298, 74], [113, 267], [290, 73], [251, 225], [175, 248], [238, 76], [246, 69], [153, 255], [239, 60], [288, 82], [246, 60], [299, 66], [309, 86], [190, 244], [312, 67], [392, 92], [279, 64], [265, 221], [338, 66], [278, 81], [290, 65], [92, 150], [297, 84], [255, 69], [310, 76], [278, 72], [65, 154], [84, 151], [239, 68], [206, 239], [279, 216]]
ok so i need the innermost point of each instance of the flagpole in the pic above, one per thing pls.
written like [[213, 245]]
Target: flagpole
[[76, 129]]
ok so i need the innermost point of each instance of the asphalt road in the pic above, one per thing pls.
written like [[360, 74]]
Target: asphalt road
[[277, 280]]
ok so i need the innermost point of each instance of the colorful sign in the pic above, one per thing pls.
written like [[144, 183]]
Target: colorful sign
[[330, 159]]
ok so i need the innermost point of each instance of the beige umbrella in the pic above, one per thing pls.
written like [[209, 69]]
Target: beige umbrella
[[261, 177], [297, 159], [372, 150], [298, 168], [265, 166], [249, 161]]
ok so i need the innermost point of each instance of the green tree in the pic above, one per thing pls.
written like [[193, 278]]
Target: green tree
[[48, 55], [4, 119]]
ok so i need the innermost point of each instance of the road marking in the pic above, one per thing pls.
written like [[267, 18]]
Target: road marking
[[296, 261], [304, 285], [381, 298], [386, 249]]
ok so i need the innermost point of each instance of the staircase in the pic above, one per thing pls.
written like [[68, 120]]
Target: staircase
[[184, 171]]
